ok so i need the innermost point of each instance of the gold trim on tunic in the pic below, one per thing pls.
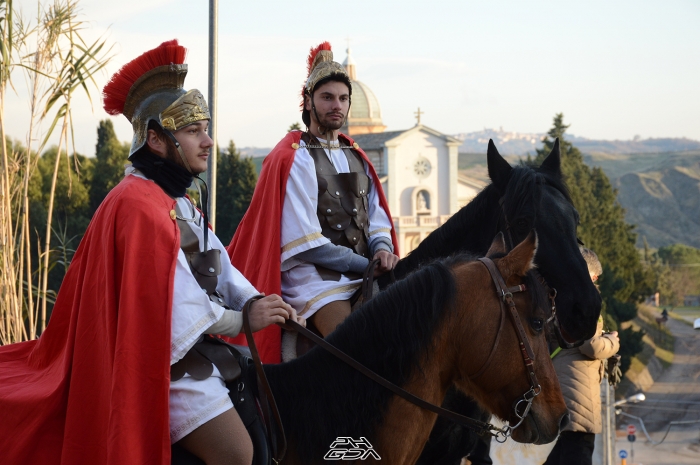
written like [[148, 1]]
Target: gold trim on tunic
[[301, 240], [337, 290], [380, 230]]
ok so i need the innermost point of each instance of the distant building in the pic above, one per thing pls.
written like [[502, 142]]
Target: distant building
[[691, 301], [365, 115], [417, 167], [418, 171], [652, 300]]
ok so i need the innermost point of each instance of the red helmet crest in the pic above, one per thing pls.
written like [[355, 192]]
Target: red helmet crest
[[116, 91]]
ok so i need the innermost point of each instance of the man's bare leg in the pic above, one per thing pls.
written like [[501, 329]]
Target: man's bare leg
[[328, 317], [223, 440]]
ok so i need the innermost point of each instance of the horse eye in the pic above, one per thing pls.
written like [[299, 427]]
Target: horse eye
[[537, 324]]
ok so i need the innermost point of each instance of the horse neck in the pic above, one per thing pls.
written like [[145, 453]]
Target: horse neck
[[317, 382], [471, 229], [405, 429]]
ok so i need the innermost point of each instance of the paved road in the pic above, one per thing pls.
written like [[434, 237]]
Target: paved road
[[675, 396]]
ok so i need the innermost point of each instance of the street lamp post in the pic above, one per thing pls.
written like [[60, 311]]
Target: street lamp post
[[639, 397], [609, 420]]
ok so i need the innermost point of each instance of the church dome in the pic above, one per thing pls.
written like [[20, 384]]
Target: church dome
[[364, 104], [365, 115]]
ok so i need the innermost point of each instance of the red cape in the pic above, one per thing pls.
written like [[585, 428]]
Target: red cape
[[255, 248], [93, 389]]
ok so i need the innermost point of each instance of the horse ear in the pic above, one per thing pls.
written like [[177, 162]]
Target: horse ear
[[498, 246], [521, 259], [499, 169], [552, 163]]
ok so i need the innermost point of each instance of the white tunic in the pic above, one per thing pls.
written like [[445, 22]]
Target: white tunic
[[302, 286], [194, 402]]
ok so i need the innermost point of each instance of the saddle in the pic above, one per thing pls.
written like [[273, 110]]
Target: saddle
[[243, 391]]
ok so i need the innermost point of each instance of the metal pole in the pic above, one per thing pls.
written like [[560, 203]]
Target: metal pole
[[608, 430], [606, 425], [612, 439], [213, 71]]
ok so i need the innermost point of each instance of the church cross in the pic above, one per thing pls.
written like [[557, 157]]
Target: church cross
[[418, 113]]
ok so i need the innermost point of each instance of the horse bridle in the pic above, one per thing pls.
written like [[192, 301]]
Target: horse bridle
[[505, 294], [552, 321], [479, 427]]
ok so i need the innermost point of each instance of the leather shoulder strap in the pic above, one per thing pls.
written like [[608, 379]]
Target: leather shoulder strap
[[189, 243]]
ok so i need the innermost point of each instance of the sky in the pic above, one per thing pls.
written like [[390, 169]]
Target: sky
[[615, 69]]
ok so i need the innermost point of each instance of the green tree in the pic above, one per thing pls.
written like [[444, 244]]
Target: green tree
[[294, 126], [110, 158], [681, 274], [71, 208], [679, 254], [236, 180], [604, 230]]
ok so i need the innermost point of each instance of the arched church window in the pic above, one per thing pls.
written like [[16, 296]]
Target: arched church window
[[423, 202]]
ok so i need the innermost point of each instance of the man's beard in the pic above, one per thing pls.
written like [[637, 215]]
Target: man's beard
[[330, 124]]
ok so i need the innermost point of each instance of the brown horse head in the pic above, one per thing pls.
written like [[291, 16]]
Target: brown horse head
[[494, 372]]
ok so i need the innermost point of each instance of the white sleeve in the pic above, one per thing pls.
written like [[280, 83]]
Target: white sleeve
[[300, 229], [193, 312], [232, 285], [379, 222]]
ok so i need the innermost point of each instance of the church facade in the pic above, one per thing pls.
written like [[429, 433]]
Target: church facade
[[418, 167]]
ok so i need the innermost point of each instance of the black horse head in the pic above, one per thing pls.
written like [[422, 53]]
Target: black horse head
[[519, 199], [538, 198]]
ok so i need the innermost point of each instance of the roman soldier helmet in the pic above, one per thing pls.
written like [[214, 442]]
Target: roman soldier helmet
[[321, 69], [150, 89]]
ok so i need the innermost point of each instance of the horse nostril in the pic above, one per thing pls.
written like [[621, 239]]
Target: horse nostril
[[563, 421]]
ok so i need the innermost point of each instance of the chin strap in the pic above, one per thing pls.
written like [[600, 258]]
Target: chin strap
[[321, 129], [180, 151], [204, 201], [203, 189]]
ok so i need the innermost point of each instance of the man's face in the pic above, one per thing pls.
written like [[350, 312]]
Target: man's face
[[332, 102], [195, 143]]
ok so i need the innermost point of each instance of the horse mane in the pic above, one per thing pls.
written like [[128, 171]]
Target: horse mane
[[456, 235], [316, 392], [320, 398]]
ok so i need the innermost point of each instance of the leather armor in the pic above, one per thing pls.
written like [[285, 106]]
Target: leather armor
[[343, 205]]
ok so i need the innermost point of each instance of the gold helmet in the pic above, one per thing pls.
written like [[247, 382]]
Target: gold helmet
[[321, 68], [150, 88]]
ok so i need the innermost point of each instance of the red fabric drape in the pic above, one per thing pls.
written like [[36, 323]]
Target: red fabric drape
[[93, 389]]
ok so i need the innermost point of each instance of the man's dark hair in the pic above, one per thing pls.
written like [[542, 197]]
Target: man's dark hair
[[171, 151]]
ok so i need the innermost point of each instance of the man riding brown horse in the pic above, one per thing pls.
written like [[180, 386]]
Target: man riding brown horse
[[318, 214]]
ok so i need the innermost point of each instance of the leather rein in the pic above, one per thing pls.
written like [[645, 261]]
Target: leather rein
[[521, 406]]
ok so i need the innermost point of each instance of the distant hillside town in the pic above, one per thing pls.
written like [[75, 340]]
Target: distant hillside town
[[519, 143], [522, 143]]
